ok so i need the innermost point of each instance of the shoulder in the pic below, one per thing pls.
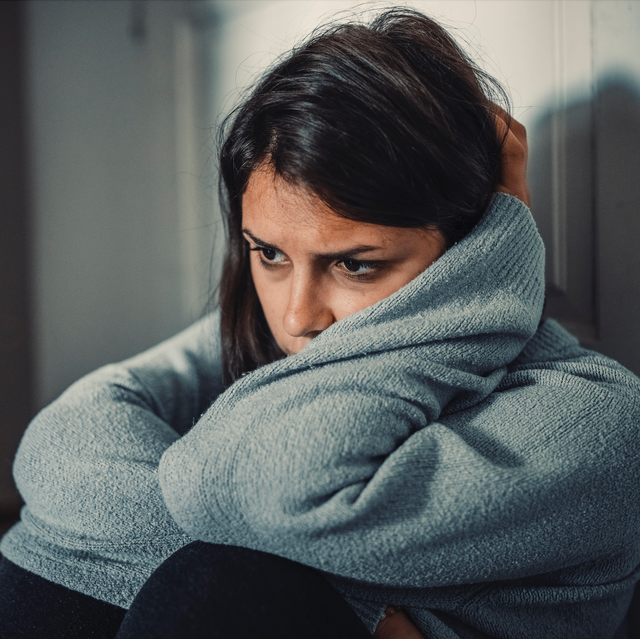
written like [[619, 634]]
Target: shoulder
[[574, 404], [554, 358]]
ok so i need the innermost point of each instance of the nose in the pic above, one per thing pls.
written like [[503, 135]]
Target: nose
[[308, 312]]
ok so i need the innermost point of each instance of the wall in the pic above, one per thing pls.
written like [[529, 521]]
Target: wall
[[108, 237], [16, 383], [617, 178]]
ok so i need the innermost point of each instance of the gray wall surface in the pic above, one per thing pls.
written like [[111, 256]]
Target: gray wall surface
[[107, 234], [16, 357]]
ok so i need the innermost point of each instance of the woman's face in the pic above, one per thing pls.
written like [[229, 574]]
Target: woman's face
[[312, 267]]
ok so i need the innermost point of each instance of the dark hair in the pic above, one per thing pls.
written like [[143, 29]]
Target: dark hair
[[388, 124]]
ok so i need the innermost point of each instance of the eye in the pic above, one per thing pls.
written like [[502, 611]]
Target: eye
[[271, 254], [357, 267]]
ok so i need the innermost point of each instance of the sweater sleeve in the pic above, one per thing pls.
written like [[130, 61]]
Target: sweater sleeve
[[87, 467], [350, 478], [181, 377]]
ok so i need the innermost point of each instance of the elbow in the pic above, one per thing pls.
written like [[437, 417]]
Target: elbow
[[223, 499], [180, 477]]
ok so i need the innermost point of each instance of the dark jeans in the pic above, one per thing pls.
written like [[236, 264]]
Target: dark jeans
[[202, 591]]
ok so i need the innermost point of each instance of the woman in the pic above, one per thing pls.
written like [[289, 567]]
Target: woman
[[403, 447]]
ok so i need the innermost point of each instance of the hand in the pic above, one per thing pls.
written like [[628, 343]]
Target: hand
[[513, 170], [396, 625]]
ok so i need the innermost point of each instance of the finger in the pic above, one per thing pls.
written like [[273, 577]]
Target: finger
[[514, 154], [519, 132], [505, 121]]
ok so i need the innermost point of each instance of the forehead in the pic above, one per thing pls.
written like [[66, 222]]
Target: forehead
[[273, 207]]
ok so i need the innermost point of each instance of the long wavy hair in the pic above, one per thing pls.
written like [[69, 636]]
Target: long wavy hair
[[387, 123]]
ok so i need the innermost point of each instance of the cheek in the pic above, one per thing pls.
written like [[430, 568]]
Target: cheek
[[346, 302]]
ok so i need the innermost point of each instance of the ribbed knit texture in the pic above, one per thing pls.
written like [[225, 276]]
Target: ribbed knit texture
[[436, 450]]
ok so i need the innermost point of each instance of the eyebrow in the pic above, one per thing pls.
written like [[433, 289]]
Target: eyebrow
[[355, 250]]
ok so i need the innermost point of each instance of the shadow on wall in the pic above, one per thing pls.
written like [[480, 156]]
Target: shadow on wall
[[584, 172], [593, 268]]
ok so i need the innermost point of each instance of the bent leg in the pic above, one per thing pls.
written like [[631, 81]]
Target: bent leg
[[32, 608], [211, 591]]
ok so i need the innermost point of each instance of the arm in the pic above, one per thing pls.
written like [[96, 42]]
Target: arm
[[109, 429], [87, 466], [359, 483]]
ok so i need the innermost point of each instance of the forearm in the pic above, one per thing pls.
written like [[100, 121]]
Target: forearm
[[87, 464], [360, 482]]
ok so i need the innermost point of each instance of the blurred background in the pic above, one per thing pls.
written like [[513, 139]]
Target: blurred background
[[110, 235]]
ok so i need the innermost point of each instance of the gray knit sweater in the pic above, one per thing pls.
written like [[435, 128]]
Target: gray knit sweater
[[437, 450]]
